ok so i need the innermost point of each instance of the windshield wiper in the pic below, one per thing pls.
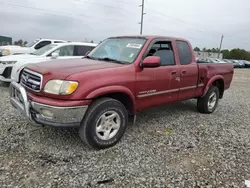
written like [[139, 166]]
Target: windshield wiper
[[110, 59], [88, 57]]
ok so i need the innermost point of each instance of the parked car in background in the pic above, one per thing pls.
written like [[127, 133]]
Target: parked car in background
[[216, 60], [241, 63], [120, 77], [35, 45], [11, 66], [210, 60], [235, 63], [202, 60], [247, 63], [230, 61]]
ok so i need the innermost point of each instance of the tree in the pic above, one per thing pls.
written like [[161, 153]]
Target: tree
[[213, 50], [197, 49], [239, 54], [20, 42], [226, 54]]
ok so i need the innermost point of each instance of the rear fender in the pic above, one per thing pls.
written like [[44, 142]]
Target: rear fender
[[210, 82]]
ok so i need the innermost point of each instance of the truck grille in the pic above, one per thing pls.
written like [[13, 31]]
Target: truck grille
[[31, 80]]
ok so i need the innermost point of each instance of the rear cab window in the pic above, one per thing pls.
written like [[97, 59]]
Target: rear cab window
[[184, 52]]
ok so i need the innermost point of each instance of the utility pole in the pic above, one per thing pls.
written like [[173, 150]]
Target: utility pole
[[142, 14], [221, 40]]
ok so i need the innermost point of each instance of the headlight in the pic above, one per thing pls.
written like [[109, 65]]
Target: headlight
[[60, 87], [7, 62], [5, 52]]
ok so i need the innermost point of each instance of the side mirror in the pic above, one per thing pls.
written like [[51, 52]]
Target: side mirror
[[151, 62], [54, 55]]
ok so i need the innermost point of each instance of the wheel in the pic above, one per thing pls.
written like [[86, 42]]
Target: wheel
[[104, 123], [209, 102]]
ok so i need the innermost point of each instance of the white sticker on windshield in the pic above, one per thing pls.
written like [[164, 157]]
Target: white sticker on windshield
[[134, 46], [131, 55]]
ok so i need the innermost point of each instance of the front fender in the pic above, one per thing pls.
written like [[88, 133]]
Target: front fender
[[112, 89], [210, 82]]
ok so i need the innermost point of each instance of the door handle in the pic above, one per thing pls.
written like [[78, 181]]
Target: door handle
[[174, 72], [184, 71], [178, 79]]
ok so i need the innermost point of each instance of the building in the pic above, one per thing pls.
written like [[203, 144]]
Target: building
[[208, 54], [5, 41]]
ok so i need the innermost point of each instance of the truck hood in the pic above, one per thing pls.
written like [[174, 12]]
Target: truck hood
[[60, 69], [17, 57]]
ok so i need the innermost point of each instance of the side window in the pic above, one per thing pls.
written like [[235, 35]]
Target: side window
[[82, 50], [65, 51], [42, 44], [184, 52], [164, 50]]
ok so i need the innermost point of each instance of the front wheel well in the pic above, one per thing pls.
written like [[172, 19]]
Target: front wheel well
[[220, 85], [124, 98], [20, 74]]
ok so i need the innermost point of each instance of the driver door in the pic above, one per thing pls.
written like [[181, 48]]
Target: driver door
[[159, 85]]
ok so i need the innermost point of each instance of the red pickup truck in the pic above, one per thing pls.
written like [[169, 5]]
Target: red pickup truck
[[120, 77]]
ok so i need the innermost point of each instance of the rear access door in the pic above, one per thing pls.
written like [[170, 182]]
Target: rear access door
[[188, 71]]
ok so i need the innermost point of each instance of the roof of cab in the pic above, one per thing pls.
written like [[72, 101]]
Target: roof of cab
[[152, 37]]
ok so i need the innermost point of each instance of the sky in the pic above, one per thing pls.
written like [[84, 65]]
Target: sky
[[203, 22]]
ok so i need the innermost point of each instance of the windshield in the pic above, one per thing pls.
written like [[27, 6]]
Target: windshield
[[123, 50], [32, 43], [44, 49]]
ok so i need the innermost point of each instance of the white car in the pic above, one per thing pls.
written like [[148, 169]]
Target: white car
[[210, 60], [37, 44], [11, 66]]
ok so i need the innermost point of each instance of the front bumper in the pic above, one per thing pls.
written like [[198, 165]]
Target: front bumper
[[41, 114], [3, 79]]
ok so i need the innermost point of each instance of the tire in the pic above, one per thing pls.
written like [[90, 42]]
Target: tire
[[94, 126], [205, 104]]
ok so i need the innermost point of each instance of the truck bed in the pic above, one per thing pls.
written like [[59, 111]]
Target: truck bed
[[209, 70]]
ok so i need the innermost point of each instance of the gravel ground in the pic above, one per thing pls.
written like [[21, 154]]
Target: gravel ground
[[170, 146]]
